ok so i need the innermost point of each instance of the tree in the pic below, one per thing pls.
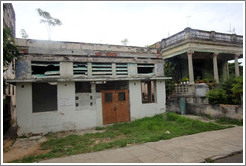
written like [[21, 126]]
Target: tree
[[48, 20], [125, 41], [23, 34], [10, 50]]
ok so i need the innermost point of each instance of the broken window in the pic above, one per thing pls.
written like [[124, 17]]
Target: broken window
[[80, 69], [45, 69], [44, 97], [101, 69], [146, 68], [82, 87], [148, 91], [121, 69]]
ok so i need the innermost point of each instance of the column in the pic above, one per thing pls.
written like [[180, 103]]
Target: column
[[216, 74], [114, 69], [236, 65], [89, 69], [225, 71], [190, 65]]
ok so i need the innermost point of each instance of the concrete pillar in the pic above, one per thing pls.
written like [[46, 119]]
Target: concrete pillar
[[114, 69], [225, 70], [190, 65], [89, 69], [215, 64], [93, 96], [66, 69], [236, 65]]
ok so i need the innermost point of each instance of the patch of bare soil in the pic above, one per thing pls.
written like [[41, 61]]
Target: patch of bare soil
[[22, 147], [17, 148]]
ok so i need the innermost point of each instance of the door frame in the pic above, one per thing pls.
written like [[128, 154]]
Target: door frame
[[113, 107]]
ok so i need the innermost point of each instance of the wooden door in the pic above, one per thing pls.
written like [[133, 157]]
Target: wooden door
[[115, 104]]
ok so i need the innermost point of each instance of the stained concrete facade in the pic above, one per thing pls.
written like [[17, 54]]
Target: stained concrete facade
[[79, 74]]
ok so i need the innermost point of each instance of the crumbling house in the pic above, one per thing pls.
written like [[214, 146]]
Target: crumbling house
[[68, 85]]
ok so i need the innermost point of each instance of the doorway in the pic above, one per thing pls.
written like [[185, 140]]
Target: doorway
[[115, 104]]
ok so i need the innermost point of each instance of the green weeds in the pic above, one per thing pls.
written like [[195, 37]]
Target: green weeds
[[149, 129]]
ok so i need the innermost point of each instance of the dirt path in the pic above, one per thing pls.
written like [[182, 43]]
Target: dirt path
[[22, 147], [16, 148]]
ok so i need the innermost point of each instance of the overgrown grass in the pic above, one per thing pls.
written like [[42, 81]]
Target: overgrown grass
[[230, 121], [120, 135]]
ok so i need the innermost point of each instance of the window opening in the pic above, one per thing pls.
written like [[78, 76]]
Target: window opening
[[101, 69], [121, 69], [82, 87], [44, 97], [121, 96], [148, 91], [80, 68], [146, 68], [45, 69], [108, 97]]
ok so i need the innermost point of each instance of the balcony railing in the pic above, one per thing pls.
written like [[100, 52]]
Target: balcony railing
[[189, 33]]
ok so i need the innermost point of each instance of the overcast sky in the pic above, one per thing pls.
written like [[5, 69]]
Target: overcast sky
[[142, 23]]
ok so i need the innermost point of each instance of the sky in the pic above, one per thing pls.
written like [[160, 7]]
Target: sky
[[142, 23]]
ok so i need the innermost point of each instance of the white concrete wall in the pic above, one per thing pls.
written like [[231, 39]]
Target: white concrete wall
[[67, 117], [24, 107], [138, 109]]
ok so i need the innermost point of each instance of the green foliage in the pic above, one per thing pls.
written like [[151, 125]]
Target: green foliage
[[232, 69], [225, 120], [148, 129], [228, 92], [100, 128], [237, 86], [217, 96], [168, 72], [10, 50]]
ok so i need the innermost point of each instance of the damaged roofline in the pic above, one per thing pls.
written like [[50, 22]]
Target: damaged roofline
[[71, 42]]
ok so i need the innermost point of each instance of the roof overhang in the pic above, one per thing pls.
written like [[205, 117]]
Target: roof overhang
[[13, 81]]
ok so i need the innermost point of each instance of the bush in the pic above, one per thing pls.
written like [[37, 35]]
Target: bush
[[237, 90], [229, 92], [217, 96]]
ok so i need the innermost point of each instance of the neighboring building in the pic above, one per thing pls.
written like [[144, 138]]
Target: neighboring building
[[199, 55], [203, 54], [68, 85], [9, 71]]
